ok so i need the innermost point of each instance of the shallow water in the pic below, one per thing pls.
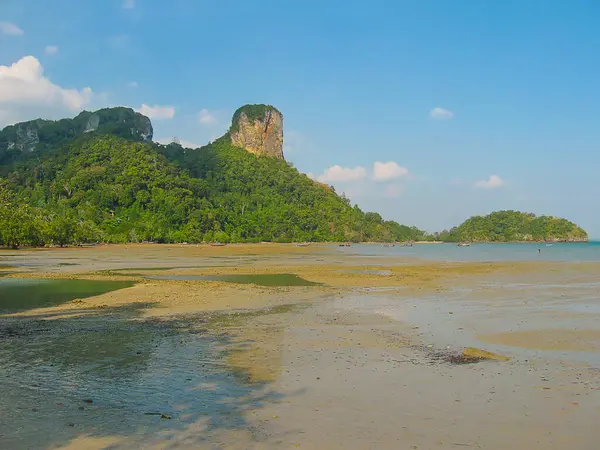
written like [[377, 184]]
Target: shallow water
[[278, 279], [511, 317], [17, 294], [487, 252], [108, 373]]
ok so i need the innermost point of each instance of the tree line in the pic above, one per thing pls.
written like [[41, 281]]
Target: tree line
[[108, 189]]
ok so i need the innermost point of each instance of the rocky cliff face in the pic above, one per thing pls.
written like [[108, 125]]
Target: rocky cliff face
[[258, 129], [36, 134]]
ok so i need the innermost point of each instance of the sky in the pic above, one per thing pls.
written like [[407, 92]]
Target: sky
[[427, 112]]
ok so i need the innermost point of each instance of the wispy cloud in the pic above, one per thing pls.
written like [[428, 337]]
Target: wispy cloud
[[384, 171], [183, 142], [51, 50], [132, 84], [339, 173], [394, 190], [128, 4], [157, 112], [441, 114], [122, 42], [493, 182], [10, 29], [205, 117]]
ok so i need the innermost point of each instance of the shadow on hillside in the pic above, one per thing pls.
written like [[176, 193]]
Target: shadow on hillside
[[109, 373]]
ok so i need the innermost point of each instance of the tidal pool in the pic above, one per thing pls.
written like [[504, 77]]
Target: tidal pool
[[276, 279], [109, 373], [19, 294]]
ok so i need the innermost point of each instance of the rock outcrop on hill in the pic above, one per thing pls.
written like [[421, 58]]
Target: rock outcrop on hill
[[258, 129], [39, 134]]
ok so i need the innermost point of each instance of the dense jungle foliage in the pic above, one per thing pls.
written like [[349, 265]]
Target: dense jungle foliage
[[513, 226], [105, 188], [98, 178]]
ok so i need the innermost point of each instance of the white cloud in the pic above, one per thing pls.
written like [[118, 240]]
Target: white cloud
[[183, 142], [51, 50], [25, 92], [206, 118], [132, 84], [441, 114], [383, 171], [493, 182], [339, 173], [157, 112], [10, 29], [128, 4]]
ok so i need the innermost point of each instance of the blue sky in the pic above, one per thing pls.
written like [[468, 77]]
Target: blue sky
[[475, 106]]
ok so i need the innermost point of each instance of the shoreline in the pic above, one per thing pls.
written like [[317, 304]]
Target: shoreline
[[273, 244], [334, 365]]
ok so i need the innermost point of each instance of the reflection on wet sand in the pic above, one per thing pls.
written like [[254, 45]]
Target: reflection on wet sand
[[108, 374], [548, 339], [382, 353]]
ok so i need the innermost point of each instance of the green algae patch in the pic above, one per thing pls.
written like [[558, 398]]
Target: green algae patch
[[20, 294], [275, 279], [472, 353]]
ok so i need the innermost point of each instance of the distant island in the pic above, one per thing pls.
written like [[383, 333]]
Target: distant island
[[514, 226], [99, 177]]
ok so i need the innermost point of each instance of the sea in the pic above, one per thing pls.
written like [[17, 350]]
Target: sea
[[567, 252]]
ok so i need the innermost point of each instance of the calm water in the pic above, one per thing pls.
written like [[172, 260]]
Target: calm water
[[485, 252], [103, 373]]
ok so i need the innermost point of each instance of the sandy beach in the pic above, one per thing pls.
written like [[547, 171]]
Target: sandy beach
[[211, 347]]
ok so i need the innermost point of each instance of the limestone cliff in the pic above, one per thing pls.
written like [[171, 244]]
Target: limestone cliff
[[258, 129], [38, 134]]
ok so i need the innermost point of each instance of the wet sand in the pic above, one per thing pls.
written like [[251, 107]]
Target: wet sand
[[367, 359]]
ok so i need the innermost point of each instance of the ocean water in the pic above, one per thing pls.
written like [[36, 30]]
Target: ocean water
[[559, 308], [568, 252]]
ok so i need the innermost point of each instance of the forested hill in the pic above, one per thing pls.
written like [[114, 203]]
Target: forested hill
[[514, 226], [110, 184], [18, 142]]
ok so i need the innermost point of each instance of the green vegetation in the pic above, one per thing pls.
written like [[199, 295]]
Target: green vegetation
[[34, 138], [513, 226], [253, 112], [95, 179], [105, 188]]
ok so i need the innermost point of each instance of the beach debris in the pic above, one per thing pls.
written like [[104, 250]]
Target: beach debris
[[162, 415], [476, 353]]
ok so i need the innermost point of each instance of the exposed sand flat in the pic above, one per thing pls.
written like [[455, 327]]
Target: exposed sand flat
[[363, 360], [548, 339]]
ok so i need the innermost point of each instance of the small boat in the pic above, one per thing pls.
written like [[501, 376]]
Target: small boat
[[347, 244], [464, 244], [388, 245], [217, 244], [302, 244]]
